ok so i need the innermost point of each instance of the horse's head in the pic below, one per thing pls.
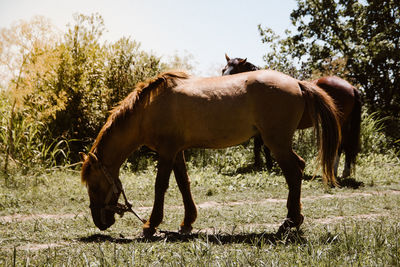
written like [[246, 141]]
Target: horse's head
[[237, 65], [102, 190]]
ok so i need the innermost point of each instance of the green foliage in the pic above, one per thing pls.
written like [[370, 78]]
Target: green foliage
[[181, 62], [94, 77], [281, 55], [64, 88], [357, 40], [30, 145], [5, 108], [373, 139]]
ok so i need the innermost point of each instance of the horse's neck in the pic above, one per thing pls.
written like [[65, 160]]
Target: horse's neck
[[117, 146], [252, 67]]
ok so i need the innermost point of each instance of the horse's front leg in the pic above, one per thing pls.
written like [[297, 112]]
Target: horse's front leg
[[162, 181], [183, 182]]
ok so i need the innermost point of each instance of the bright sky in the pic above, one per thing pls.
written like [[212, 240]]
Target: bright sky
[[204, 28]]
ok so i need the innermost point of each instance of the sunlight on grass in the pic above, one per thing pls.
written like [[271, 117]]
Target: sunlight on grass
[[45, 220]]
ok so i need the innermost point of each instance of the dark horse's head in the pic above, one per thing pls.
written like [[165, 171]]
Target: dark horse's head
[[237, 65], [101, 193]]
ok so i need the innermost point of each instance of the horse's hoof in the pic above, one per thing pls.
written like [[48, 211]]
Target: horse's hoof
[[346, 173], [185, 229], [148, 231], [290, 223], [300, 222]]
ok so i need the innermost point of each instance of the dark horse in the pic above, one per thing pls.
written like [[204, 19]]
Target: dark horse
[[348, 101], [174, 112]]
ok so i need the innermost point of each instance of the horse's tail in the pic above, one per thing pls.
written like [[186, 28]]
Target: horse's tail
[[323, 111], [351, 143]]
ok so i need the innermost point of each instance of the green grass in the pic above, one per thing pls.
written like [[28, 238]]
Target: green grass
[[45, 220]]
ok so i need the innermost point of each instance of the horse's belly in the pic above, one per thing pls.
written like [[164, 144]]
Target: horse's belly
[[219, 128], [217, 138]]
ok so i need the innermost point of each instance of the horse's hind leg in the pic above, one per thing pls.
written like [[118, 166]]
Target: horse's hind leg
[[268, 158], [183, 182], [337, 161], [258, 143], [347, 168], [344, 147], [162, 181], [292, 166]]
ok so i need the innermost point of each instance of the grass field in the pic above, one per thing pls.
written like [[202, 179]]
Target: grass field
[[45, 220]]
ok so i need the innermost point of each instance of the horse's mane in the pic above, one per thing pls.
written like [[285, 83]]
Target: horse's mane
[[143, 93]]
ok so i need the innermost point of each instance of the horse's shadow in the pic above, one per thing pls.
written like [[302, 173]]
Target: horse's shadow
[[350, 182], [250, 168], [342, 182], [255, 239]]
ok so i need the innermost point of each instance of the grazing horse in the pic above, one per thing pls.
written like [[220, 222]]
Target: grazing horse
[[174, 112], [348, 101]]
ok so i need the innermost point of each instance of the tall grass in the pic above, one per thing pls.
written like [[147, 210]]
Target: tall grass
[[373, 139], [30, 147]]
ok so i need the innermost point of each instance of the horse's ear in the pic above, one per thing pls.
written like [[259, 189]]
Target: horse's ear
[[92, 157], [242, 61], [83, 156], [227, 58]]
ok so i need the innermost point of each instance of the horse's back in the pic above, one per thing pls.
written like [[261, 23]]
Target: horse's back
[[223, 111], [278, 100], [256, 96]]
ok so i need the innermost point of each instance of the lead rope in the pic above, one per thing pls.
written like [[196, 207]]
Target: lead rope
[[128, 207], [119, 208]]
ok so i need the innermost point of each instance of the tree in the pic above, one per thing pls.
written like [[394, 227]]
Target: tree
[[23, 47], [80, 77], [56, 91], [180, 62], [127, 65], [280, 54], [363, 37]]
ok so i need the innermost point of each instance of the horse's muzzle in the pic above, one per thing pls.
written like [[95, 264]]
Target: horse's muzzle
[[227, 71], [102, 217]]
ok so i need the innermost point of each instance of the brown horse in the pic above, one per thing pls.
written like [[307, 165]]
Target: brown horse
[[348, 101], [174, 112]]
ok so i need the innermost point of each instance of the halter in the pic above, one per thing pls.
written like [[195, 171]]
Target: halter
[[116, 188]]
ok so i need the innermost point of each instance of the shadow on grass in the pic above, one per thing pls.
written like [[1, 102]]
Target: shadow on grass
[[308, 177], [255, 239], [350, 182], [101, 238], [250, 168], [245, 169], [343, 182]]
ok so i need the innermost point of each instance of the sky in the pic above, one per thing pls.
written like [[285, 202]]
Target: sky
[[205, 29]]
